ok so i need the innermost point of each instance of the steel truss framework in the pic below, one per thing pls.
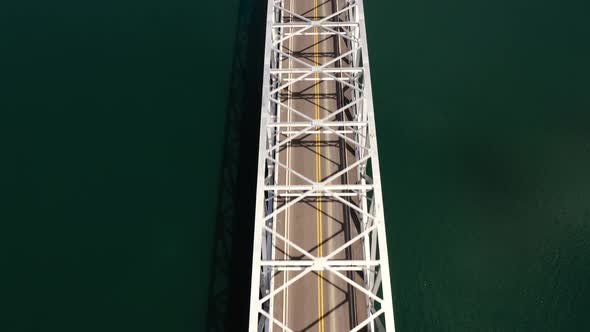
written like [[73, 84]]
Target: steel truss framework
[[359, 133]]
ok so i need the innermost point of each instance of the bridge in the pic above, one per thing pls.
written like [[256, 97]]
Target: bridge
[[320, 258]]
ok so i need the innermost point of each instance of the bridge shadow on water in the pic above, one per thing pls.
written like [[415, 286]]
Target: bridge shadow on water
[[229, 285]]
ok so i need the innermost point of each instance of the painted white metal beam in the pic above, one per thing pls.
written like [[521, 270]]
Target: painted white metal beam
[[347, 23]]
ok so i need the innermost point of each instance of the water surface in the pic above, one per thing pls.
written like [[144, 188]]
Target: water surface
[[128, 141]]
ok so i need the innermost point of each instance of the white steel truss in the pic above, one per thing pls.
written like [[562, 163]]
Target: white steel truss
[[358, 133]]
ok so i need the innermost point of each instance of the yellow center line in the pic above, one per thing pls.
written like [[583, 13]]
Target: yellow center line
[[318, 177]]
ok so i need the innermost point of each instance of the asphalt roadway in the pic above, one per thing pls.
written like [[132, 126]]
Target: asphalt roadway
[[319, 301]]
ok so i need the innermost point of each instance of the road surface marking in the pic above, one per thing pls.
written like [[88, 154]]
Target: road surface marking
[[318, 176]]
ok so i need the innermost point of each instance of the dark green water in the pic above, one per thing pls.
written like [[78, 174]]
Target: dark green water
[[127, 163]]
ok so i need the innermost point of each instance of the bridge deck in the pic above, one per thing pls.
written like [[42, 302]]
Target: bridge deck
[[320, 260], [319, 301]]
